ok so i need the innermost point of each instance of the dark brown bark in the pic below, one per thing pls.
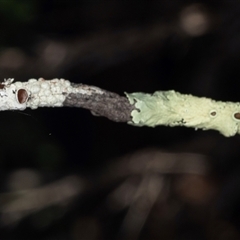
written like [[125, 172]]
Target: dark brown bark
[[107, 104]]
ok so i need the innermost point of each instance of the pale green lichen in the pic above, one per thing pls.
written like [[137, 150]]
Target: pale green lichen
[[171, 108]]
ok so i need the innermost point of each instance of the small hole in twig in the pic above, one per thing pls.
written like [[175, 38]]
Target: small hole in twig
[[22, 95], [213, 113], [237, 115]]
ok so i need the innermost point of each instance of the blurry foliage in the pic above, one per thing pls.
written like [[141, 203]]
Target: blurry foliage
[[16, 11], [16, 18]]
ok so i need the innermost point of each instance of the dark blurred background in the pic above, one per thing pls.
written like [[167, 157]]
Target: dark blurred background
[[66, 174]]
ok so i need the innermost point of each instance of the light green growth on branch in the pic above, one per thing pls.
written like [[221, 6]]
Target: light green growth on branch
[[172, 108]]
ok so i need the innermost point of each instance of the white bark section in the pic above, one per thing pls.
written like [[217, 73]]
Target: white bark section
[[38, 93], [171, 108]]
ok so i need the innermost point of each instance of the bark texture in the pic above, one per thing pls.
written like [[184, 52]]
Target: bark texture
[[106, 104]]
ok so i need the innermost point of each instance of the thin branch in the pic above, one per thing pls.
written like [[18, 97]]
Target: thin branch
[[60, 93], [172, 109], [101, 103], [167, 108]]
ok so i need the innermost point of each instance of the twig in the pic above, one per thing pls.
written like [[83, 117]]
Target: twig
[[59, 93], [167, 108], [172, 108]]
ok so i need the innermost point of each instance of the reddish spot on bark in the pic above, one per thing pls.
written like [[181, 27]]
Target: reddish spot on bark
[[213, 113], [237, 115], [22, 95]]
